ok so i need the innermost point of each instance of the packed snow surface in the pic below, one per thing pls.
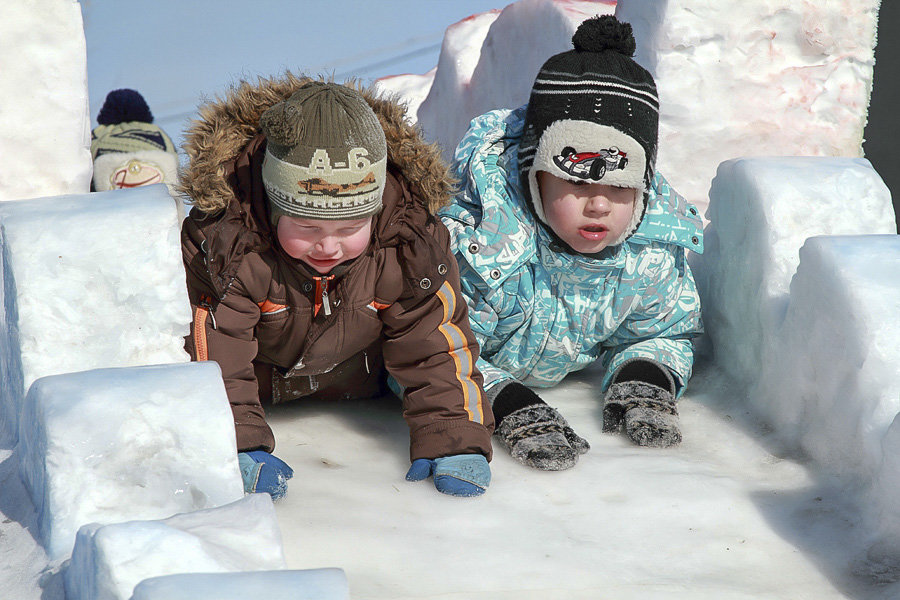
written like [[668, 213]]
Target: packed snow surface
[[723, 516]]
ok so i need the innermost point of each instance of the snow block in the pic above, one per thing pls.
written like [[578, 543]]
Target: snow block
[[460, 51], [883, 498], [311, 584], [490, 61], [830, 382], [110, 560], [111, 445], [409, 89], [761, 212], [45, 138], [754, 79], [89, 281]]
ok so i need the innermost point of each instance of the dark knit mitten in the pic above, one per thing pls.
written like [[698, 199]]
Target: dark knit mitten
[[535, 433], [646, 411]]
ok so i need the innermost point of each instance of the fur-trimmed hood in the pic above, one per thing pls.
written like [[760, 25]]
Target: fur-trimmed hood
[[227, 125]]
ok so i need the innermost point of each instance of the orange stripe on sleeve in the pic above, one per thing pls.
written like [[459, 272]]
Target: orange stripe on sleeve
[[462, 357]]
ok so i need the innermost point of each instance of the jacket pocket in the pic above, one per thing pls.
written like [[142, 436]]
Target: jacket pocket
[[270, 309], [361, 328]]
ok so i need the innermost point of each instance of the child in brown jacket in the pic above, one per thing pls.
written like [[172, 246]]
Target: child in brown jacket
[[314, 266]]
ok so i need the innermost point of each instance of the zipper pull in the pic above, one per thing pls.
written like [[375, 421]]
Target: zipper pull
[[325, 303], [320, 296], [206, 302]]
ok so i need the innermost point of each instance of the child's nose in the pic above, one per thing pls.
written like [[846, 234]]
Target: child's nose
[[597, 205], [327, 245]]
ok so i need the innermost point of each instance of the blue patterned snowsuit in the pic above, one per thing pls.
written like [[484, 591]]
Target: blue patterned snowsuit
[[540, 313]]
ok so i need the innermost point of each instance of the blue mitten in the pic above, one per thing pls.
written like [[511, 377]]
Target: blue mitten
[[457, 475], [264, 472]]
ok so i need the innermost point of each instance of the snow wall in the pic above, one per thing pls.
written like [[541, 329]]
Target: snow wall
[[800, 290], [44, 122], [766, 78]]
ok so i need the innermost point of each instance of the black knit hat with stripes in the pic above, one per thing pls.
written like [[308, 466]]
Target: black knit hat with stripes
[[593, 116]]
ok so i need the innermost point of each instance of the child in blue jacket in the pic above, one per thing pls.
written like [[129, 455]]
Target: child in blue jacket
[[572, 249]]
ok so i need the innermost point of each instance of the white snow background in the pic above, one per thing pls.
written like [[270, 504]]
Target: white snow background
[[785, 484]]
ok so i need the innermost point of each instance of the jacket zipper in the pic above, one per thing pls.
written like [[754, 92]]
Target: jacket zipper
[[206, 303], [321, 295], [321, 300]]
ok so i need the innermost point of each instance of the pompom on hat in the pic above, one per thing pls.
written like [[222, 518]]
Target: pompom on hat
[[593, 116], [127, 149], [122, 106]]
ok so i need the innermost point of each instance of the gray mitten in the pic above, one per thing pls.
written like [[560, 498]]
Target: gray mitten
[[537, 435], [646, 411]]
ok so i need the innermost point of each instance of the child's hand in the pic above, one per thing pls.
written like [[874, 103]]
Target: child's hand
[[457, 475], [537, 435], [647, 411], [264, 472]]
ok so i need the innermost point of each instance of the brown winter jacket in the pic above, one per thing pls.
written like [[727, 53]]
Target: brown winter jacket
[[281, 331]]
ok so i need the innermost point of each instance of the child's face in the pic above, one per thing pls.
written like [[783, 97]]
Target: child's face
[[323, 245], [586, 216]]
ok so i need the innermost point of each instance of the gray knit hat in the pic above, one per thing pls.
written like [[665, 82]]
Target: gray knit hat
[[326, 155]]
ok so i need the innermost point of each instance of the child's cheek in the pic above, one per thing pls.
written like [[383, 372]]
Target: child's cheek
[[357, 247], [295, 247]]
